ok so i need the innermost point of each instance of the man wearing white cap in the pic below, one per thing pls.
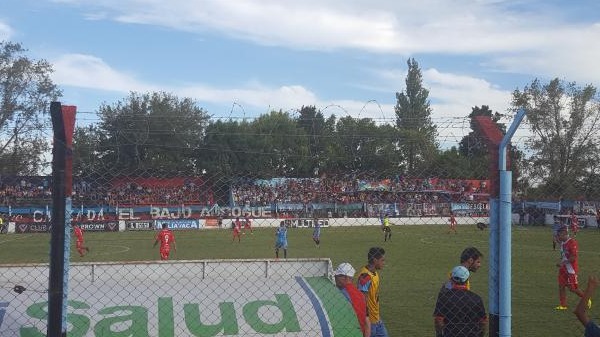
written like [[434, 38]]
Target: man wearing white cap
[[459, 311], [344, 275]]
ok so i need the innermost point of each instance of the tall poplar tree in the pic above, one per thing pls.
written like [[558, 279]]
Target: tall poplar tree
[[416, 131]]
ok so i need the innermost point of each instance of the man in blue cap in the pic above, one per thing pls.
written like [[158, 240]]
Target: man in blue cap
[[459, 311]]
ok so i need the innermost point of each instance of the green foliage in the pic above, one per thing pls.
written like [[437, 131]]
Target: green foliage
[[277, 145], [453, 164], [565, 121], [473, 145], [144, 134], [283, 145], [85, 150], [319, 132], [362, 146], [271, 145], [26, 91], [416, 131]]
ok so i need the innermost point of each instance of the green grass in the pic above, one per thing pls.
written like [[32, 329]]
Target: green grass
[[417, 262]]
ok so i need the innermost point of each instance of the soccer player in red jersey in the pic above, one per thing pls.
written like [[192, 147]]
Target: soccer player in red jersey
[[574, 223], [248, 224], [78, 232], [452, 223], [236, 231], [568, 268], [166, 239]]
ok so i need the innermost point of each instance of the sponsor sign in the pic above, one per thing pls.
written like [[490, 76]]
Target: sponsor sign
[[457, 206], [213, 222], [36, 227], [178, 224], [305, 223], [139, 225], [111, 226], [188, 212], [119, 306]]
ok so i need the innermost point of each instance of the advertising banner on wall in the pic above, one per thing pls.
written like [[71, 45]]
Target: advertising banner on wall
[[108, 226], [128, 300], [139, 225], [305, 223], [33, 227], [178, 224]]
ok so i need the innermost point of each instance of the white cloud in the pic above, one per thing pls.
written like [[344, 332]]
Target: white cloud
[[452, 95], [398, 27], [540, 42], [455, 95], [6, 31], [570, 53], [255, 96], [453, 98], [87, 71]]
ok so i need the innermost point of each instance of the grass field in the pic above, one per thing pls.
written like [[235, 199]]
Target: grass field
[[417, 261]]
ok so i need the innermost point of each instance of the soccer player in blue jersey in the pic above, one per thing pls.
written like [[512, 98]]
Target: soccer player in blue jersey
[[281, 240], [317, 232]]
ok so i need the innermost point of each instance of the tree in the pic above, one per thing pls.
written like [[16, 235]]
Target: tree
[[26, 91], [452, 164], [282, 146], [146, 134], [362, 146], [85, 150], [564, 120], [472, 145], [320, 134], [221, 148], [413, 119], [273, 145]]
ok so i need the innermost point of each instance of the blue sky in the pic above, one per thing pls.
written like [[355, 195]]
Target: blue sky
[[245, 58]]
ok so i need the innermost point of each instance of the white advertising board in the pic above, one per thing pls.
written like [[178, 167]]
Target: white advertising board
[[184, 298]]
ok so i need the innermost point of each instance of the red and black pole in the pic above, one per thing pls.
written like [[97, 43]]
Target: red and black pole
[[63, 123]]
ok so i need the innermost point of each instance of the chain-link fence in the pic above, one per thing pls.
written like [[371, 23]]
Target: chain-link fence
[[255, 215]]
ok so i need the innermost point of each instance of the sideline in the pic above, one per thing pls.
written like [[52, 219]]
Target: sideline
[[124, 249]]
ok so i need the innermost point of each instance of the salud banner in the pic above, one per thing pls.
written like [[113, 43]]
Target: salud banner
[[184, 299]]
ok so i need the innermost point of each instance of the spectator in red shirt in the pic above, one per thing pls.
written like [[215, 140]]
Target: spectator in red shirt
[[344, 275]]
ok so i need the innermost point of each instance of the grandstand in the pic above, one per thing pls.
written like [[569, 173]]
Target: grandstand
[[359, 197]]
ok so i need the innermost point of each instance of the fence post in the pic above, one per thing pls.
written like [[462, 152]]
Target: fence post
[[505, 224], [57, 240], [63, 124]]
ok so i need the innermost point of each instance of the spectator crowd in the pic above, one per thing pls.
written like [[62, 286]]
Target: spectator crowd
[[342, 190], [347, 190]]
